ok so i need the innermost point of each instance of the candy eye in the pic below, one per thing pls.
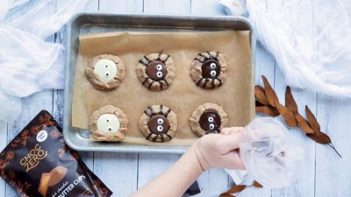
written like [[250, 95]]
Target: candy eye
[[211, 126], [213, 65], [108, 120], [213, 73], [159, 121], [106, 66], [159, 67], [210, 119], [109, 128], [159, 74], [107, 74], [159, 128]]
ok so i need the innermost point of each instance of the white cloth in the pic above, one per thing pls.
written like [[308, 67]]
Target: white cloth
[[29, 63], [310, 40]]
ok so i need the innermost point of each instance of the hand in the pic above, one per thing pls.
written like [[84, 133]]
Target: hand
[[219, 150]]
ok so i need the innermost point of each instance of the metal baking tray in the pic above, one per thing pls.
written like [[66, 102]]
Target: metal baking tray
[[86, 23]]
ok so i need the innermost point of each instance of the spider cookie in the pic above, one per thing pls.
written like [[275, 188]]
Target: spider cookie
[[105, 72], [156, 71], [208, 118], [158, 123], [108, 123], [208, 70]]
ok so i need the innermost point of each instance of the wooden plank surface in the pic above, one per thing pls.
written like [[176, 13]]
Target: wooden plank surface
[[322, 173]]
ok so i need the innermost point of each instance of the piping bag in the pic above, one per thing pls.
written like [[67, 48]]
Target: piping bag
[[268, 153]]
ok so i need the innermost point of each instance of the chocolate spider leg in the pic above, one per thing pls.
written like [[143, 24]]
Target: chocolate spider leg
[[166, 82], [148, 136], [168, 56], [201, 61], [202, 55], [170, 137], [220, 81], [154, 139], [146, 79], [167, 113], [147, 59], [161, 108], [162, 138], [217, 54], [149, 112], [142, 62], [213, 84], [151, 84], [199, 81], [206, 81], [213, 57], [209, 54], [159, 56]]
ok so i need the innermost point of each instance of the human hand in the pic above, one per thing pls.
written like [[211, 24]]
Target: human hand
[[219, 150]]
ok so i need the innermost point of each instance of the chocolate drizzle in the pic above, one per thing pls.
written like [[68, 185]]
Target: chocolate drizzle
[[210, 121]]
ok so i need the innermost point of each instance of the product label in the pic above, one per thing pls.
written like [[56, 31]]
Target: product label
[[31, 159]]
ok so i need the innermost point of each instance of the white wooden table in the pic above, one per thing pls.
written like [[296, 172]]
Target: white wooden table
[[322, 172]]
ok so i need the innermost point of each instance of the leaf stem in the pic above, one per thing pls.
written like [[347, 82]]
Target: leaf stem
[[333, 147]]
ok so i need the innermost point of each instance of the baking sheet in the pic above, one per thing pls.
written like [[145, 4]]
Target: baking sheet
[[183, 96], [87, 23]]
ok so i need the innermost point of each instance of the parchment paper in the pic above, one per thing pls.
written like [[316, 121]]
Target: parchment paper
[[183, 96]]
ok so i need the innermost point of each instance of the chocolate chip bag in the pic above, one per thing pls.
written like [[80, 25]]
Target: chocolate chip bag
[[37, 162]]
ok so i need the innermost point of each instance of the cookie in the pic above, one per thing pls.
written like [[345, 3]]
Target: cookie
[[208, 118], [108, 123], [156, 71], [105, 72], [158, 123], [208, 70]]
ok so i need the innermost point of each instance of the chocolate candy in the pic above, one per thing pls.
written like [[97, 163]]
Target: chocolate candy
[[158, 124], [210, 121], [210, 69], [156, 70]]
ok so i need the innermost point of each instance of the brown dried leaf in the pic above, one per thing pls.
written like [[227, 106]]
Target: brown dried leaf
[[260, 95], [268, 110], [258, 103], [226, 195], [287, 115], [303, 124], [257, 184], [290, 102], [312, 121], [269, 91], [320, 137], [234, 189]]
